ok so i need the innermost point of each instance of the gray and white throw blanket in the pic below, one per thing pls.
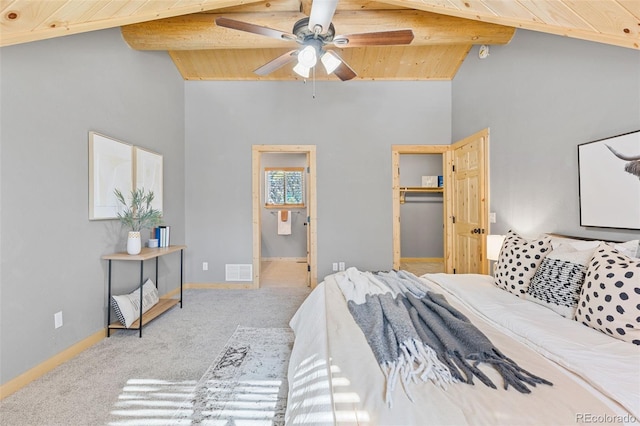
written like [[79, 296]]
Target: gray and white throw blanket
[[416, 335]]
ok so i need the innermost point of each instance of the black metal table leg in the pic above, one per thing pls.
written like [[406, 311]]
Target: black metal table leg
[[141, 283], [109, 303]]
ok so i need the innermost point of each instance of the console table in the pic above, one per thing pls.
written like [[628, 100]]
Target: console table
[[164, 304]]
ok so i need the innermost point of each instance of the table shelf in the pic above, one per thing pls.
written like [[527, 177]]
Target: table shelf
[[164, 304], [158, 309]]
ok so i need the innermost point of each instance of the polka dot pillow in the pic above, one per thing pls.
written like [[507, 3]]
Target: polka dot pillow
[[518, 261], [610, 297]]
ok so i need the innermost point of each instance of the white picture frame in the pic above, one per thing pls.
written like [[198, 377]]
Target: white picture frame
[[609, 184], [149, 174], [110, 168]]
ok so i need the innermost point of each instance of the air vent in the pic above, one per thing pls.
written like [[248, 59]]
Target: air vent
[[238, 272]]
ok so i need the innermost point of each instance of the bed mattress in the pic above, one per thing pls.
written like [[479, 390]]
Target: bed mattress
[[334, 377]]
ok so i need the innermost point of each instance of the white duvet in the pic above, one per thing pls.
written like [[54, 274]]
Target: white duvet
[[334, 378]]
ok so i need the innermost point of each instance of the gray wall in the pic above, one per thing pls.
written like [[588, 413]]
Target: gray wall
[[273, 244], [541, 96], [53, 93], [353, 126]]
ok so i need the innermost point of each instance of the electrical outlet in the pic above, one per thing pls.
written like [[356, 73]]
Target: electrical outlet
[[57, 319], [341, 266], [492, 217], [205, 266], [335, 266]]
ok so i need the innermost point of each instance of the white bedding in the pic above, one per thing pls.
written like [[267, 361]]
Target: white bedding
[[610, 365], [334, 378]]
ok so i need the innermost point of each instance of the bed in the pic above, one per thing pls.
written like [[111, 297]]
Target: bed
[[334, 377]]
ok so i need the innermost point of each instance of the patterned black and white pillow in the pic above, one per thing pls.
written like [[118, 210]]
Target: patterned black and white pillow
[[610, 297], [127, 306], [518, 261], [559, 278]]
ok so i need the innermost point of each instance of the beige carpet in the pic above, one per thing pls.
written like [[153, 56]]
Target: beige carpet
[[165, 364]]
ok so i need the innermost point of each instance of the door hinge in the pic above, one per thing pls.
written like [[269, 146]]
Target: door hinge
[[454, 270], [453, 167], [453, 219], [308, 268]]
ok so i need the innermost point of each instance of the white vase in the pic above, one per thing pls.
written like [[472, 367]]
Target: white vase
[[133, 242]]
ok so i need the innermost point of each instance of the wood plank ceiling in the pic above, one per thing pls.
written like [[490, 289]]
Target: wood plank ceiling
[[445, 30]]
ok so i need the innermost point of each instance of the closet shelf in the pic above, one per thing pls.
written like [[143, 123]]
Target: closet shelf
[[404, 190]]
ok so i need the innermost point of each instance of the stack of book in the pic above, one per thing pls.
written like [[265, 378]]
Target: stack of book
[[162, 235]]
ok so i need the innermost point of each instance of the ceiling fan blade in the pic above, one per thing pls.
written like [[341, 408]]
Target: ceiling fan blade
[[278, 62], [321, 14], [252, 28], [379, 38], [344, 72]]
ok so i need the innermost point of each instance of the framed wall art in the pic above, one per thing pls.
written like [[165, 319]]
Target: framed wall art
[[609, 182], [148, 174], [110, 167]]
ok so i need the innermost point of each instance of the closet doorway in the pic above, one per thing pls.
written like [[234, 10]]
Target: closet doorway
[[284, 235], [419, 208], [465, 201]]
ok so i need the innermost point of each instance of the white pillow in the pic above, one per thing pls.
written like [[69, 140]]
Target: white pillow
[[630, 248], [518, 261], [127, 306], [557, 241], [559, 278]]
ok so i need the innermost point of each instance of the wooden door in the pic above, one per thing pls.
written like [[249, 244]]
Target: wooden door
[[469, 203], [308, 228]]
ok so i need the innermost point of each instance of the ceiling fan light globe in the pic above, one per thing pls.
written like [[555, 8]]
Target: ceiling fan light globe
[[308, 57], [330, 62], [301, 70]]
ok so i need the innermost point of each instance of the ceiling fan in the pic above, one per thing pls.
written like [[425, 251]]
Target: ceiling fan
[[313, 34]]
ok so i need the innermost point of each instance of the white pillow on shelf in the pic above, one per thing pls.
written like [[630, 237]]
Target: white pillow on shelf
[[127, 306]]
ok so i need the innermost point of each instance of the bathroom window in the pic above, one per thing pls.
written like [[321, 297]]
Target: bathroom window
[[284, 186]]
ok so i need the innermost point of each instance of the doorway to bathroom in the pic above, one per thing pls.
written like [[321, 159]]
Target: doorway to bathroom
[[284, 215]]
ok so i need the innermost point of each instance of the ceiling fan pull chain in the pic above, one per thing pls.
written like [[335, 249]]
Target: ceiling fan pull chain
[[313, 70]]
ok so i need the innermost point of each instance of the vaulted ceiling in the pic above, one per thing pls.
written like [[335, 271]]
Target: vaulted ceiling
[[445, 30]]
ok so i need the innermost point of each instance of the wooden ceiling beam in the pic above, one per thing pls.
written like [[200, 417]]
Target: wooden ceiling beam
[[199, 32], [399, 63]]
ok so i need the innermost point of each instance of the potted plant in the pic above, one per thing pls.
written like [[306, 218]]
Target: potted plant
[[137, 215]]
